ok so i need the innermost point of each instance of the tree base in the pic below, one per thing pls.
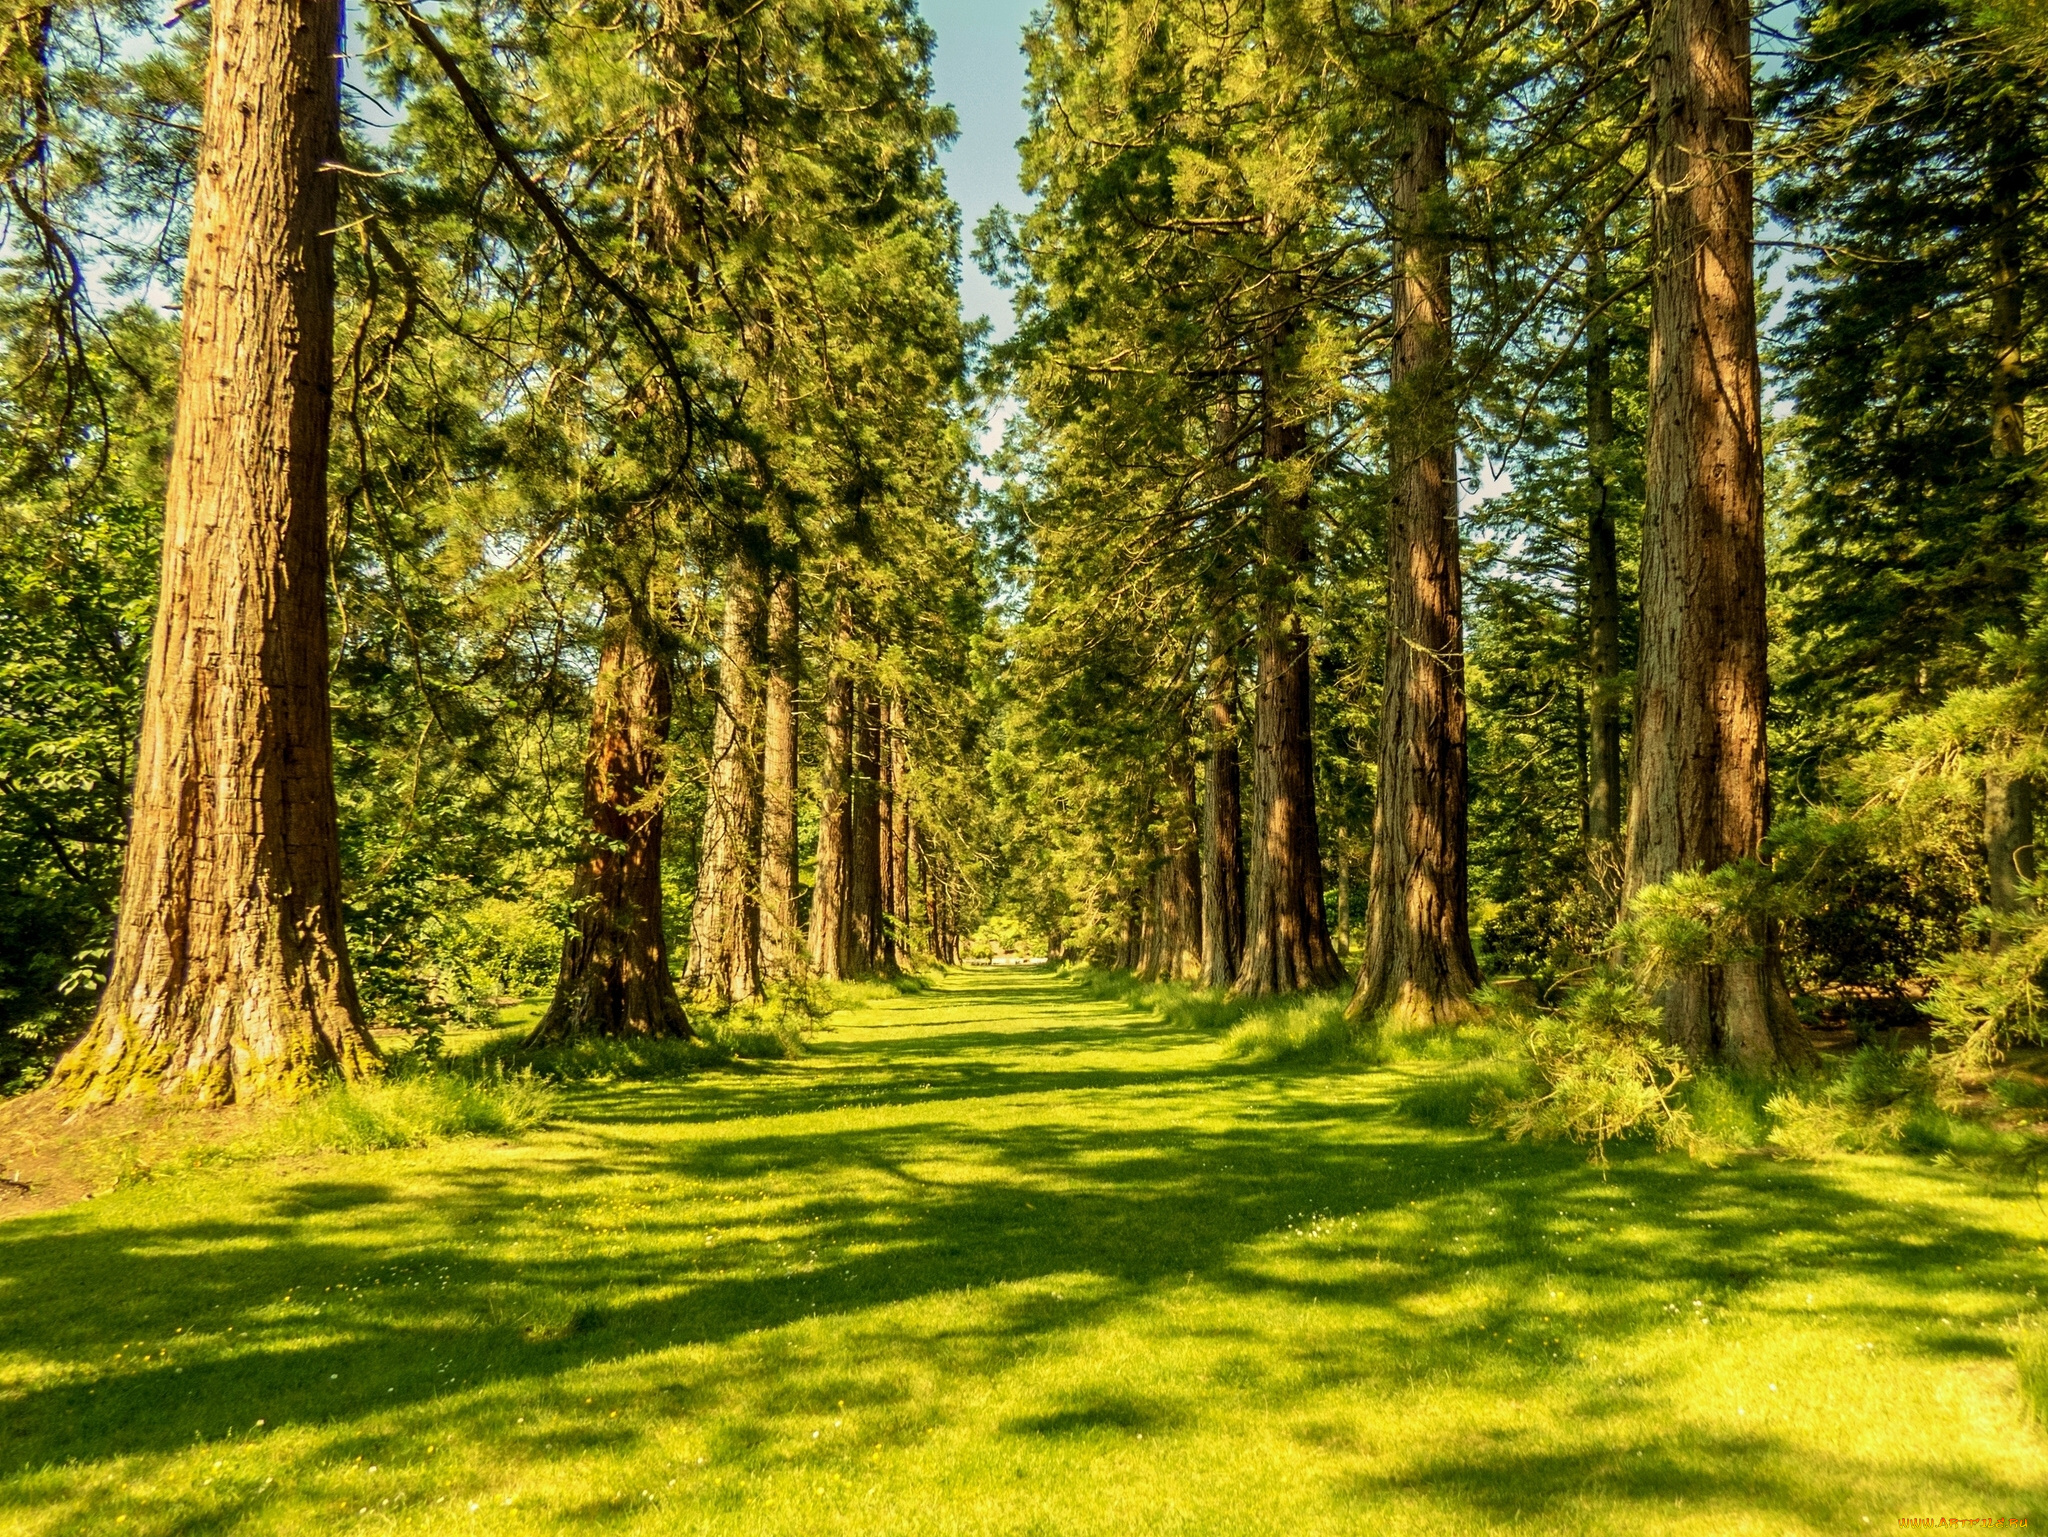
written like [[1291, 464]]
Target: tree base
[[213, 1056], [1739, 1014], [1409, 1008], [598, 1005]]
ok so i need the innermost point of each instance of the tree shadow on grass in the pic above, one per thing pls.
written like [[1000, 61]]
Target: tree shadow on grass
[[327, 1302]]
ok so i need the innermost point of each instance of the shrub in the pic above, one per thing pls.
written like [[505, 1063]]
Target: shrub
[[1605, 1074], [1988, 998]]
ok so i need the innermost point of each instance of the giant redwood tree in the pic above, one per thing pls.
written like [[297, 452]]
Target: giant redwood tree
[[230, 975], [1700, 797], [725, 925], [615, 978], [1418, 951], [1287, 939]]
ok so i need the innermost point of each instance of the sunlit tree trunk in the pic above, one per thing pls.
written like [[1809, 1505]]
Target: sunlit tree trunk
[[230, 977], [835, 813], [1222, 850], [1180, 906], [615, 978], [782, 939], [899, 838], [725, 926], [1700, 793], [863, 942], [1418, 962], [1287, 941]]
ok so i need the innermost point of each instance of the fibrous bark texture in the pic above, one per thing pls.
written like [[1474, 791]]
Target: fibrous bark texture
[[1171, 948], [1222, 850], [230, 975], [2008, 837], [1418, 962], [725, 925], [1700, 797], [782, 939], [1603, 565], [1287, 941], [898, 751], [835, 822], [862, 947], [615, 978]]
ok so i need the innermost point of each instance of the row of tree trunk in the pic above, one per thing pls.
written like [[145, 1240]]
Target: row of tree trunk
[[1700, 792], [230, 972]]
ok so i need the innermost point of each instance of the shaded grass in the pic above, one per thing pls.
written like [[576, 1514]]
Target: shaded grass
[[1004, 1258]]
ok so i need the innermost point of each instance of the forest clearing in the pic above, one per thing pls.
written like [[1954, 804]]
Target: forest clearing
[[1014, 1254], [1023, 765]]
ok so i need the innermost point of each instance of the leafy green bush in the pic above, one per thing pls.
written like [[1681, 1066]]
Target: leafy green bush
[[1866, 898], [1605, 1074], [1989, 997]]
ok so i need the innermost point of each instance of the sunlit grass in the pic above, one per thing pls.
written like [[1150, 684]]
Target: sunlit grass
[[1004, 1257]]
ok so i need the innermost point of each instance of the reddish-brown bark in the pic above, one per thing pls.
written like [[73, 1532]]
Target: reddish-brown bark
[[835, 816], [782, 939], [1700, 797], [230, 975], [1418, 961], [615, 978], [725, 924], [1222, 842]]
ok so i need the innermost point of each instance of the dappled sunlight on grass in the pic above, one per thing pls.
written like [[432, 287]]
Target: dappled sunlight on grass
[[1007, 1256]]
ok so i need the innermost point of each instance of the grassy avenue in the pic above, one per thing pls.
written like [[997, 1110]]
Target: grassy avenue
[[1007, 1255]]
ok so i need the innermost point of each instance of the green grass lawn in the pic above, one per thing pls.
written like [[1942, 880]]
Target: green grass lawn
[[1001, 1257]]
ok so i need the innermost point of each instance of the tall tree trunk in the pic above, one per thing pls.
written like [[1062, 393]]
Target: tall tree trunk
[[885, 837], [1343, 891], [615, 977], [931, 889], [2008, 837], [1222, 849], [1287, 941], [1603, 566], [1181, 918], [835, 814], [899, 841], [1701, 796], [1419, 964], [725, 928], [230, 976], [863, 944], [782, 939], [2008, 800]]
